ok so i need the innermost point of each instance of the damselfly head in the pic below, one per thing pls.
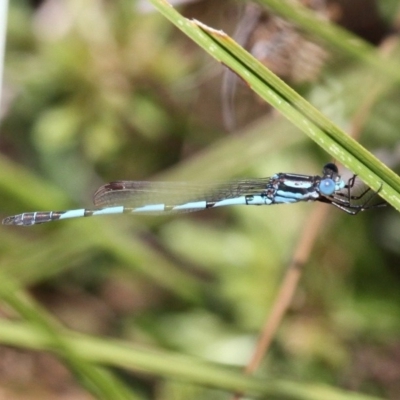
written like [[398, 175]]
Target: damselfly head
[[331, 177]]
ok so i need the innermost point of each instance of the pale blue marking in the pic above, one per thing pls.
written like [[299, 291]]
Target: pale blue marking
[[191, 206], [296, 196], [231, 202], [340, 185], [109, 210], [259, 201], [297, 184], [150, 208], [73, 214], [279, 199]]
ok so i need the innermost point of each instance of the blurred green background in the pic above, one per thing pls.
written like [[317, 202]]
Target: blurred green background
[[97, 91]]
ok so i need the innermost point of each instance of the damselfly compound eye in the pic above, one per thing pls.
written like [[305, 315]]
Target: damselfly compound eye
[[327, 187]]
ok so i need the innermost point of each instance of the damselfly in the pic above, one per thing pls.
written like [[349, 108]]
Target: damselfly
[[139, 197]]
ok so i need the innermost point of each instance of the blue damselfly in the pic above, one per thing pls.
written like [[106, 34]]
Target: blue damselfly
[[147, 197]]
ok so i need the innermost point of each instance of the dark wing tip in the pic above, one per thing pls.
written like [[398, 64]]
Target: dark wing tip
[[98, 197]]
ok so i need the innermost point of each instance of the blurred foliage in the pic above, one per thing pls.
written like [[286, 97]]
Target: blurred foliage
[[95, 91]]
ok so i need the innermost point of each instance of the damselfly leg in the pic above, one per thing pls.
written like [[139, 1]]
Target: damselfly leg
[[345, 200]]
